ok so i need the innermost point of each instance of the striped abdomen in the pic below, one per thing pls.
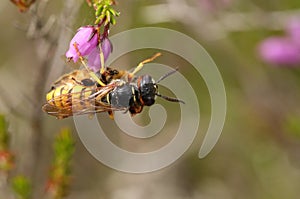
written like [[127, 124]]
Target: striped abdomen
[[66, 100]]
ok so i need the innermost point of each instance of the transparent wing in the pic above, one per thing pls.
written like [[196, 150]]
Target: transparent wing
[[87, 101]]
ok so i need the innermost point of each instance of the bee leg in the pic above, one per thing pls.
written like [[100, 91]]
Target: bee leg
[[92, 74], [111, 114], [141, 64]]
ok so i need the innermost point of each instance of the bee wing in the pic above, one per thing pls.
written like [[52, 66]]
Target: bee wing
[[87, 101]]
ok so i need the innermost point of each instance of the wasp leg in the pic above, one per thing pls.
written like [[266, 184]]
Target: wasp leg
[[111, 114], [141, 64], [126, 111], [102, 69], [92, 74]]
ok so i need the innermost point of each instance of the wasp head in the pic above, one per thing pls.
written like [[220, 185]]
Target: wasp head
[[148, 89]]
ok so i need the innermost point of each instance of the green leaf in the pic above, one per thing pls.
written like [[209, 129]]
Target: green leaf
[[292, 125], [107, 14], [4, 136], [22, 187], [63, 146], [105, 10], [113, 12], [113, 21], [99, 11]]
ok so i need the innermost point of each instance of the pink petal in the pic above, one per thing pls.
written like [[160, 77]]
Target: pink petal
[[84, 41], [94, 57], [94, 62]]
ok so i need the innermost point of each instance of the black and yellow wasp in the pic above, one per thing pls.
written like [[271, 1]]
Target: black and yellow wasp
[[84, 92]]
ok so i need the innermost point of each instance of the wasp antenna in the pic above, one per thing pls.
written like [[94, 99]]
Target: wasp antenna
[[171, 99], [167, 75]]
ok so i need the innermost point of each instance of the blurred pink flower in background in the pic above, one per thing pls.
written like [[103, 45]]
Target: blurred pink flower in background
[[293, 30], [284, 50], [280, 50]]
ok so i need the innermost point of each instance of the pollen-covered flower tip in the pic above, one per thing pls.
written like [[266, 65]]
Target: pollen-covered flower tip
[[94, 61], [86, 40], [280, 51]]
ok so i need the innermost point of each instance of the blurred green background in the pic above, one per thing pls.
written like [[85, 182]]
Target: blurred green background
[[257, 155]]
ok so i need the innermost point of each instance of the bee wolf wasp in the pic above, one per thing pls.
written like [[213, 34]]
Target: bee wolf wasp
[[84, 92]]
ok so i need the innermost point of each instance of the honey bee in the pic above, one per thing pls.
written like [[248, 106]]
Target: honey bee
[[79, 92]]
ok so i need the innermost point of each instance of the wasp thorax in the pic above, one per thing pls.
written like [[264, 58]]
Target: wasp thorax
[[148, 89]]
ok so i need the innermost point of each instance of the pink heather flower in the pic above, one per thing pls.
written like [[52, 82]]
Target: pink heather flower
[[293, 30], [86, 39], [94, 62], [280, 50]]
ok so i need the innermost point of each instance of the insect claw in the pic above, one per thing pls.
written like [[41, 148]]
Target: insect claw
[[127, 109], [91, 116], [111, 115]]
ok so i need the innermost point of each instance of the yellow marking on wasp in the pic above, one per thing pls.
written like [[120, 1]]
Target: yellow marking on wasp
[[57, 92], [133, 92], [107, 99], [65, 90], [49, 95], [64, 97], [56, 96], [76, 92]]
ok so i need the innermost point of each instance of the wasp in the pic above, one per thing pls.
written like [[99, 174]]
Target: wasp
[[84, 92]]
